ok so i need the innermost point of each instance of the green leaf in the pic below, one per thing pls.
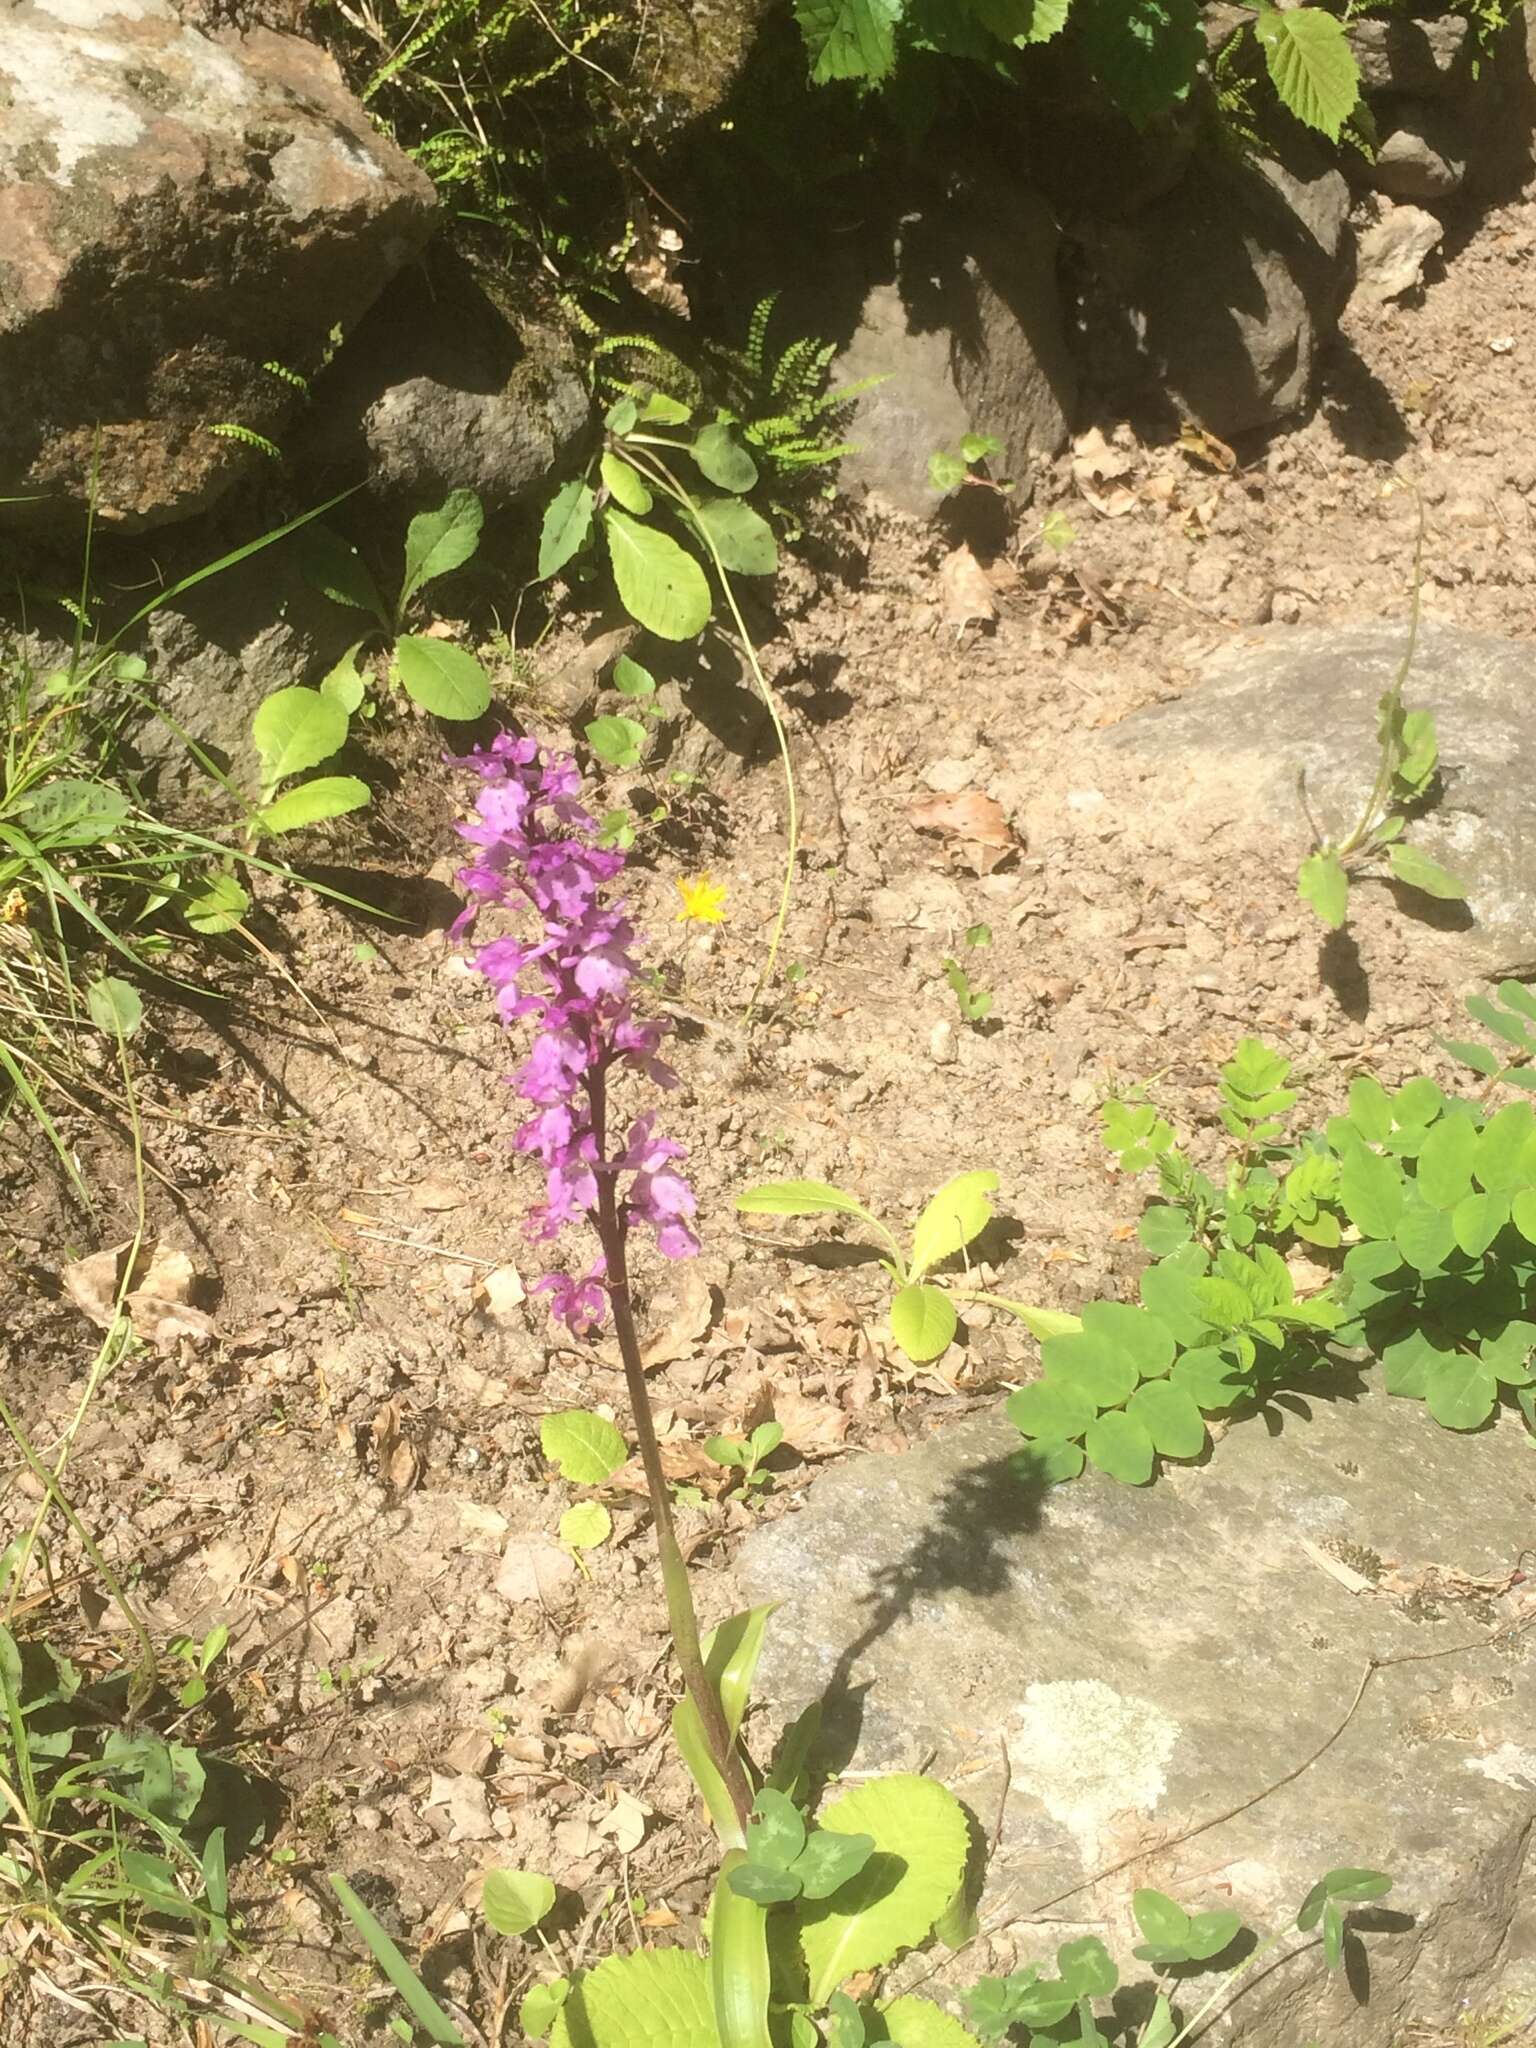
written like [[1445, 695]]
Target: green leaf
[[1408, 865], [921, 1846], [915, 2023], [343, 684], [295, 729], [764, 1883], [946, 470], [1119, 1445], [1371, 1193], [622, 417], [1047, 1462], [617, 742], [424, 2008], [1497, 1162], [1444, 1173], [777, 1831], [1163, 1921], [1210, 1378], [333, 566], [1082, 1361], [536, 2014], [1171, 1417], [959, 1212], [829, 1860], [1322, 882], [1210, 1933], [1086, 1968], [1163, 1229], [1410, 1360], [1143, 52], [72, 811], [626, 485], [723, 459], [742, 538], [631, 680], [436, 542], [849, 38], [731, 1652], [1312, 66], [567, 523], [923, 1321], [1160, 2030], [1370, 1108], [311, 803], [1479, 1057], [1051, 1408], [1425, 1236], [441, 678], [658, 1998], [216, 905], [1477, 1220], [114, 1006], [802, 1198], [1462, 1392], [585, 1526], [659, 583], [664, 410], [514, 1901], [1136, 1336], [587, 1448]]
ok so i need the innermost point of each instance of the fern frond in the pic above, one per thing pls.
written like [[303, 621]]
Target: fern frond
[[228, 430]]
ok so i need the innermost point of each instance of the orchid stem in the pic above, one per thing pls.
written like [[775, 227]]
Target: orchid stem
[[681, 1618]]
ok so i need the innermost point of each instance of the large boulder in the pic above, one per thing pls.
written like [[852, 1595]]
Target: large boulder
[[186, 219], [1285, 700], [1148, 1660]]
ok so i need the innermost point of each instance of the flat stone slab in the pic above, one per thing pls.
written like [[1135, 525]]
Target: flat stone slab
[[1284, 699], [1150, 1658]]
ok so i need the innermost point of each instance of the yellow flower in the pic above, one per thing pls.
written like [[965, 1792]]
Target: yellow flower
[[703, 900]]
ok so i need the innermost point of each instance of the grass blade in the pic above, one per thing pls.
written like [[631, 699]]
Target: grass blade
[[423, 2006]]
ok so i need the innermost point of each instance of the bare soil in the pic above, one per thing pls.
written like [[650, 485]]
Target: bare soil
[[338, 1473]]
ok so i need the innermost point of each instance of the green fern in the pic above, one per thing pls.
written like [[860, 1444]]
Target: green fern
[[228, 430]]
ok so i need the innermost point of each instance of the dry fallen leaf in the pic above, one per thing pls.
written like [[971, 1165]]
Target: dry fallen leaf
[[533, 1568], [158, 1303], [436, 1192], [813, 1428], [687, 1327], [624, 1822], [501, 1291], [1097, 470], [463, 1798], [970, 814], [965, 591]]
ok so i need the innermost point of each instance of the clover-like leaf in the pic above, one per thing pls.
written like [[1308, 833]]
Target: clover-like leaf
[[1121, 1446]]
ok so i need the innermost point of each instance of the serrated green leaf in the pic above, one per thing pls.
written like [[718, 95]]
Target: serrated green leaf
[[514, 1901], [1408, 865], [921, 1844], [1461, 1392], [1120, 1445], [446, 680], [295, 729], [312, 803], [1312, 66], [657, 1998], [722, 458], [849, 38], [626, 485], [1322, 882], [617, 742], [440, 541], [958, 1213], [1171, 1417], [115, 1006], [741, 537], [567, 523], [659, 583], [923, 1321], [587, 1448], [1051, 1408]]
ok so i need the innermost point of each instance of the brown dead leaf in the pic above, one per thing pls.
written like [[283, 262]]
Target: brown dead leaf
[[624, 1822], [501, 1292], [533, 1568], [965, 591], [813, 1428], [684, 1463], [970, 815], [652, 259], [687, 1327], [1098, 469], [1204, 447], [158, 1301], [436, 1193]]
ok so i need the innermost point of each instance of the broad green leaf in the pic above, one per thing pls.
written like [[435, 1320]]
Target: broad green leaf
[[622, 417], [1497, 1161], [1371, 1193], [424, 2008], [72, 811], [536, 2014], [343, 684], [1051, 1408], [777, 1832], [1322, 882], [1477, 1220], [921, 1845], [1171, 1417], [1019, 22], [1409, 1362], [1048, 1461], [626, 485], [1420, 753], [946, 470], [1408, 865], [617, 742], [567, 523], [923, 1321], [1425, 1236], [1163, 1229], [1160, 2030], [441, 678], [1418, 1101], [1040, 1322], [1136, 1336], [586, 1526], [1145, 53], [1119, 1445], [1508, 1355], [1168, 1290], [764, 1883], [1086, 1968], [659, 583], [1370, 1108], [1086, 1363], [742, 538], [849, 38], [740, 1970], [665, 410], [722, 458], [828, 1861], [799, 1198], [334, 567], [915, 2023], [1481, 1058], [1445, 1161], [587, 1448], [295, 729], [658, 1998], [513, 1901], [115, 1006], [731, 1652], [1210, 1378], [311, 803], [959, 1212], [1163, 1921], [631, 680], [1210, 1933], [215, 905], [1312, 66], [436, 542], [1461, 1393]]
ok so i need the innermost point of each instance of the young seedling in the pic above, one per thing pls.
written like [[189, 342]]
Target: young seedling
[[975, 1003], [951, 469], [746, 1455]]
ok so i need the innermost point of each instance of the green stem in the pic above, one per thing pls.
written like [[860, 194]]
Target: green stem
[[1224, 1988], [1371, 816]]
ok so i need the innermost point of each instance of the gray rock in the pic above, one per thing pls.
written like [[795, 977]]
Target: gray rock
[[1232, 282], [970, 338], [1151, 1658], [1282, 699], [1427, 58], [229, 202], [1422, 155], [427, 438], [1390, 258]]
